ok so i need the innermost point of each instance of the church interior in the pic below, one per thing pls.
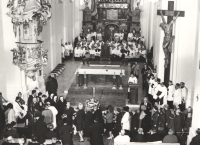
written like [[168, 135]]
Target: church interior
[[99, 72]]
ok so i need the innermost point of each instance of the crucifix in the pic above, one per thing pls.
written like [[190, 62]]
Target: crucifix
[[167, 27]]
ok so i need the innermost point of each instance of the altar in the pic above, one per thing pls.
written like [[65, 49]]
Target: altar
[[109, 77], [105, 83], [111, 16]]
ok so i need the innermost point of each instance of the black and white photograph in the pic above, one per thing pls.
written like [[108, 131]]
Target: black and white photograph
[[100, 72]]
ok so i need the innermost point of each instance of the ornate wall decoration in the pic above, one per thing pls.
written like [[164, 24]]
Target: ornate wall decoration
[[28, 18]]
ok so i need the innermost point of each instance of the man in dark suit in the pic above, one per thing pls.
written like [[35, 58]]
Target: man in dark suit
[[134, 124], [52, 85], [65, 133], [144, 72], [69, 111], [178, 123], [196, 139], [147, 104], [154, 118], [148, 111], [96, 131], [40, 128]]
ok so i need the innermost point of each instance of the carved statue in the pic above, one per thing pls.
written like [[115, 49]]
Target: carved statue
[[168, 39]]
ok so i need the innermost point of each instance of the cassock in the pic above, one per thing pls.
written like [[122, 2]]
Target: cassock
[[96, 131], [105, 51]]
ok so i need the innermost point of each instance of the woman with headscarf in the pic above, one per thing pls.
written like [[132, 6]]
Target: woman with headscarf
[[60, 107]]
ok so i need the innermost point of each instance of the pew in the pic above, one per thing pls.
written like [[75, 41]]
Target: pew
[[148, 143]]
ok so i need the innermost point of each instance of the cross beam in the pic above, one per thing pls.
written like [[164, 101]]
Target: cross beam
[[171, 13]]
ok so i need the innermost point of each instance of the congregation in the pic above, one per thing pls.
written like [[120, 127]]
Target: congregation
[[161, 117]]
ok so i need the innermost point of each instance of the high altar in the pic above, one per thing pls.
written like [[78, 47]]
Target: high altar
[[111, 16]]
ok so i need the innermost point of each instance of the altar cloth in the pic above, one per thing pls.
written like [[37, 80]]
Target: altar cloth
[[101, 71]]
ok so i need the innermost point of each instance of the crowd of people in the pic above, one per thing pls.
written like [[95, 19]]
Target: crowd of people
[[121, 45]]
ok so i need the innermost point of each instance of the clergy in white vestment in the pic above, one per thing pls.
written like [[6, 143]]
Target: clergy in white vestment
[[70, 47], [66, 49], [131, 50], [170, 98], [63, 50], [183, 92], [32, 85], [151, 83], [157, 87], [55, 112], [118, 51], [162, 98], [122, 138], [121, 36], [126, 119], [77, 51], [132, 79], [130, 37], [177, 95]]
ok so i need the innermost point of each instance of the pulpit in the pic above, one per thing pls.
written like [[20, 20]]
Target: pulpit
[[133, 97], [28, 18]]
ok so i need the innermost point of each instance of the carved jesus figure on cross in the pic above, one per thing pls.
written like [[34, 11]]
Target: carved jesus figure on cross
[[168, 39]]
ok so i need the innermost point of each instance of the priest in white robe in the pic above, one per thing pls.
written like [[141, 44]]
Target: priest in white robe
[[170, 98], [162, 98], [177, 95]]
